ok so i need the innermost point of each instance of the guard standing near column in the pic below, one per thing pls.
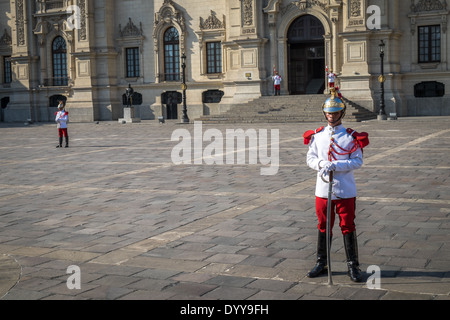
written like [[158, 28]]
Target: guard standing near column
[[335, 148], [331, 78], [277, 83]]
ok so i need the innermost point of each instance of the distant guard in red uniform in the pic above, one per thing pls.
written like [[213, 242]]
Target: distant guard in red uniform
[[335, 148]]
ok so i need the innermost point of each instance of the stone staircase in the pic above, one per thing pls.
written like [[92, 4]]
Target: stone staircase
[[301, 108]]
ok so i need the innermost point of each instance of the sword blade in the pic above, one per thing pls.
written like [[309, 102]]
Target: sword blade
[[328, 238]]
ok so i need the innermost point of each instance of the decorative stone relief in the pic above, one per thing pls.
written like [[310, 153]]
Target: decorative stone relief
[[428, 5], [356, 14], [83, 26], [20, 18], [428, 8], [169, 15], [6, 39], [212, 22], [247, 12], [131, 30], [355, 8], [303, 5]]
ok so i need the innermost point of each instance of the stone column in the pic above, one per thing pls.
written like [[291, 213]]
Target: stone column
[[272, 11]]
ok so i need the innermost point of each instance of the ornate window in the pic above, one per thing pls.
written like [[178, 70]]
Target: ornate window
[[169, 38], [428, 24], [214, 57], [133, 68], [171, 55], [131, 44], [430, 44], [211, 36], [7, 74], [59, 56]]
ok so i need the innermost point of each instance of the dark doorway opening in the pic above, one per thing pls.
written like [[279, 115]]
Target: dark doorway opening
[[4, 104], [306, 54], [54, 100], [172, 99]]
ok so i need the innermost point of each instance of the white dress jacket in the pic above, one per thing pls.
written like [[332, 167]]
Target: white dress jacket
[[345, 153], [62, 117]]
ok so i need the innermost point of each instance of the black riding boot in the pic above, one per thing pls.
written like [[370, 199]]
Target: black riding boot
[[321, 263], [60, 142], [67, 142], [351, 250]]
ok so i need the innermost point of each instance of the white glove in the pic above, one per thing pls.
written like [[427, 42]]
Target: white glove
[[327, 167]]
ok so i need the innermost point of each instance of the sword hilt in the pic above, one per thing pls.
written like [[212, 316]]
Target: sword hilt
[[330, 179]]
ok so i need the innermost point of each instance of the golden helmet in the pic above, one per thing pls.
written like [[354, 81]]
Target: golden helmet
[[334, 103]]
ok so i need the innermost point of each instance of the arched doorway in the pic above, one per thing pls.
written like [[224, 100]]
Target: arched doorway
[[306, 54]]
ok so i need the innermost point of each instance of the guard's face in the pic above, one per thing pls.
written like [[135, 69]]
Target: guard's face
[[333, 118]]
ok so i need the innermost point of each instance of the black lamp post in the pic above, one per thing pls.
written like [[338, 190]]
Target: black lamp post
[[184, 87], [382, 79]]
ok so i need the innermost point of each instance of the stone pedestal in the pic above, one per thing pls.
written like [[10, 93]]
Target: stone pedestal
[[128, 116]]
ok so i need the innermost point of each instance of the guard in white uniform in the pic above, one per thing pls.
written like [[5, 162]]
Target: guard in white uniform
[[62, 118], [335, 148], [277, 83], [331, 79]]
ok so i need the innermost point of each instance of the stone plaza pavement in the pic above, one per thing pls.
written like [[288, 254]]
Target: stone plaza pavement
[[140, 227]]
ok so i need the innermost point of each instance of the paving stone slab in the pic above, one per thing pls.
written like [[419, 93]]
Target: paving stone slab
[[131, 218]]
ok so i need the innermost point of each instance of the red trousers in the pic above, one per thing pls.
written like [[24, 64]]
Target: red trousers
[[62, 132], [344, 208]]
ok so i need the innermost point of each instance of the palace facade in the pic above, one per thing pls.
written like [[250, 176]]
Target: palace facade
[[88, 52]]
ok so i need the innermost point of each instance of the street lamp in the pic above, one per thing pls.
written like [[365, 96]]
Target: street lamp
[[184, 87], [382, 79]]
